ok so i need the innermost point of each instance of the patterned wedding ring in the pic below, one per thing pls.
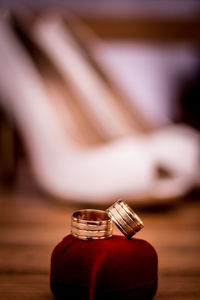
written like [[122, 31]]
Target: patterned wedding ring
[[88, 224], [125, 218]]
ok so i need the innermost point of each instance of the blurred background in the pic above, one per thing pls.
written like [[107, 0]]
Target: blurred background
[[99, 100], [110, 71]]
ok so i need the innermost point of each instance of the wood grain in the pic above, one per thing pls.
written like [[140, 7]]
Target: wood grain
[[30, 226]]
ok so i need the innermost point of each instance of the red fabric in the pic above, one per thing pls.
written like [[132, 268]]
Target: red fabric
[[104, 269]]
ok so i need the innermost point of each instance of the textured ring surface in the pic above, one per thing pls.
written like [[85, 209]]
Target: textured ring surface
[[125, 218], [90, 224]]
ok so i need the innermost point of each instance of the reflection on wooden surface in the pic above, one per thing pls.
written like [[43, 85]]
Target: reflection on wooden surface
[[30, 227]]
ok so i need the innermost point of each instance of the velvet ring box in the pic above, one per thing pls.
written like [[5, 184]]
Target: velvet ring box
[[114, 268]]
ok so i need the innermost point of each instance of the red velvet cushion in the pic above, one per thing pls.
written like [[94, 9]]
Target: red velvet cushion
[[116, 268]]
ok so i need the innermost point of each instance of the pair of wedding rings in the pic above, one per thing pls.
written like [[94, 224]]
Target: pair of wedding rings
[[90, 224]]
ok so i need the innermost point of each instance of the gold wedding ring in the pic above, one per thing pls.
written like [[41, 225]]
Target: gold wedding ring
[[88, 224], [125, 218]]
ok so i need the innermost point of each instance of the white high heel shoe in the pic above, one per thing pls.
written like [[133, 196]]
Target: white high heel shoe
[[124, 167]]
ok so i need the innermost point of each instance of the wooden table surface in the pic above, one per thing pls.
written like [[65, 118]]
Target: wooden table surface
[[30, 226]]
